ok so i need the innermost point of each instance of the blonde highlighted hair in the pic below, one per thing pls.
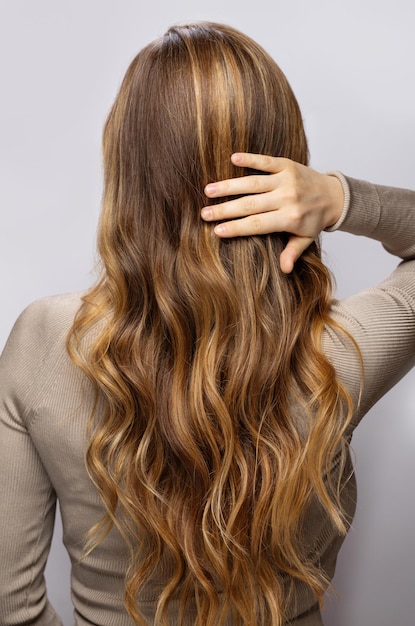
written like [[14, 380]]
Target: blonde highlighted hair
[[204, 346]]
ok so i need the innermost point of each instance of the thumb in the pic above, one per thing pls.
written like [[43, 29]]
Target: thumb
[[292, 252]]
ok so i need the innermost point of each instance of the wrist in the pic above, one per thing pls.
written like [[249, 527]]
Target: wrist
[[338, 194]]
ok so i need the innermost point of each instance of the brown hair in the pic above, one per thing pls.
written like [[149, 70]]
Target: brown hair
[[204, 345]]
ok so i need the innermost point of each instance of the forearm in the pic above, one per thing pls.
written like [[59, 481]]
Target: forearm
[[386, 214]]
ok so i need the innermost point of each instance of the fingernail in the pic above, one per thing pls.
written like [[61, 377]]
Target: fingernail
[[206, 213], [220, 229], [237, 158], [210, 188]]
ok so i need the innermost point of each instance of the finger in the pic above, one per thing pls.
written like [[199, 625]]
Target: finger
[[239, 186], [249, 184], [292, 252], [257, 224], [260, 162], [241, 207]]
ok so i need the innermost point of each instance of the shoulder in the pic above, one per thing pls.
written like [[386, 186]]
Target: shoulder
[[42, 325], [48, 317], [36, 347]]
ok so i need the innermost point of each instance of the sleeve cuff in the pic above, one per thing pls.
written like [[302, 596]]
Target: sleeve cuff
[[346, 204]]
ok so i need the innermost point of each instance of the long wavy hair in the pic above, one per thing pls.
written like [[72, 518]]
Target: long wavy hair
[[223, 417]]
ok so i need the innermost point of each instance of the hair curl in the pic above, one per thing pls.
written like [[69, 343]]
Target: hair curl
[[205, 347]]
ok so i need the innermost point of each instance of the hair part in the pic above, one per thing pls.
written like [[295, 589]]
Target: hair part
[[205, 346]]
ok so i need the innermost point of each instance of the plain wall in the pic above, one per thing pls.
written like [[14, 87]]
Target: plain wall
[[351, 65]]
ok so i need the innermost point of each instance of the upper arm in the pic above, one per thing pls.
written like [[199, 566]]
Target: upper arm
[[27, 498], [382, 322]]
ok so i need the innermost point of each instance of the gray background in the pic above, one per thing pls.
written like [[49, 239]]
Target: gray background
[[351, 65]]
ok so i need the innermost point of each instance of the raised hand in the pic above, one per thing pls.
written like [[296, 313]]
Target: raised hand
[[293, 198]]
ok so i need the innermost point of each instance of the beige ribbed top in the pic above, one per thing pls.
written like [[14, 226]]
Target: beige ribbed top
[[45, 403]]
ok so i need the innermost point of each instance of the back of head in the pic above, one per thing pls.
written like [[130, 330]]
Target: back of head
[[192, 98], [188, 101], [206, 343]]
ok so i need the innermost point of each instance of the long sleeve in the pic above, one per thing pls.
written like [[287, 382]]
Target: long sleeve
[[27, 497], [380, 319]]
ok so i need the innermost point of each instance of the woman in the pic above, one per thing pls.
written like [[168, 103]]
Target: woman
[[192, 411]]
